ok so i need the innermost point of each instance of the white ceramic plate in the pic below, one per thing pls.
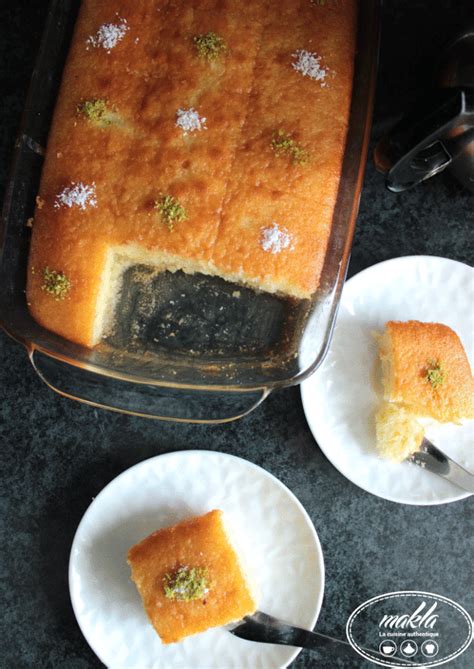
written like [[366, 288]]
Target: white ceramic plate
[[341, 397], [275, 532]]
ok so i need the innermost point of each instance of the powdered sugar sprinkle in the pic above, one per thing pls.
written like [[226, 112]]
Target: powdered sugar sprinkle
[[189, 120], [109, 35], [77, 195], [309, 65], [275, 240]]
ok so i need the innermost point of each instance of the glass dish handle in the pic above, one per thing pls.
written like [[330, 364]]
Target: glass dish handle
[[147, 400]]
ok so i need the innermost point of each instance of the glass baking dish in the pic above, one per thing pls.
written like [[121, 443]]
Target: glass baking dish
[[221, 348]]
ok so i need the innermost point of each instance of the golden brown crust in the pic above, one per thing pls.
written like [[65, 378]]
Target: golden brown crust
[[227, 177], [412, 348], [196, 542]]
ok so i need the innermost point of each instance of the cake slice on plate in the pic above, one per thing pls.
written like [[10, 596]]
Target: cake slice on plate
[[426, 374], [190, 577]]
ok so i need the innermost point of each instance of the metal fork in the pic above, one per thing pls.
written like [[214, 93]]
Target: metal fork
[[264, 628], [429, 457]]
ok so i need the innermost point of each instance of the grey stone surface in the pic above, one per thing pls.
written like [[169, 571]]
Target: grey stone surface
[[57, 454]]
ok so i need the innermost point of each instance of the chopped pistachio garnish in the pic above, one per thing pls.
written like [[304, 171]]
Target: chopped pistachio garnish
[[96, 111], [435, 373], [283, 145], [186, 584], [55, 283], [171, 210], [209, 45]]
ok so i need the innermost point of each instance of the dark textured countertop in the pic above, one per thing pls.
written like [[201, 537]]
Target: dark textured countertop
[[57, 454]]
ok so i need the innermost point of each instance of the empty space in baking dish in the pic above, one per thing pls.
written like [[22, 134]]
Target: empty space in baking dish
[[151, 301], [197, 314]]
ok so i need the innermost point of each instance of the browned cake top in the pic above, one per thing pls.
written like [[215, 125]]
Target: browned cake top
[[236, 110], [201, 544], [430, 370]]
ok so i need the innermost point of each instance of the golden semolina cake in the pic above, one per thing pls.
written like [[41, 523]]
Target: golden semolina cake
[[203, 136], [398, 432], [425, 374], [190, 578], [425, 368]]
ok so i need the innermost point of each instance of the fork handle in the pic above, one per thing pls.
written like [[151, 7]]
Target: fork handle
[[256, 628], [265, 628]]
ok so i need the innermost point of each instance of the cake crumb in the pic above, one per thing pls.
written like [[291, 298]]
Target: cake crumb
[[79, 195], [309, 65], [275, 240], [39, 202], [189, 120], [109, 35], [236, 293], [29, 222]]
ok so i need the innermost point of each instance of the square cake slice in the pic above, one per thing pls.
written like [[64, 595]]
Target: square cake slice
[[426, 369], [190, 577], [425, 374]]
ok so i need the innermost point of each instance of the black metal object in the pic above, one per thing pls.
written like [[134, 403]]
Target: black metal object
[[439, 132]]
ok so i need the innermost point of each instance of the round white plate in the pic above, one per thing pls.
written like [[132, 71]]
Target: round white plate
[[275, 532], [341, 397]]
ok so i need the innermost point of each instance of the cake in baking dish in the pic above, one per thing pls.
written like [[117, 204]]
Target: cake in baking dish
[[426, 374], [205, 136], [190, 577]]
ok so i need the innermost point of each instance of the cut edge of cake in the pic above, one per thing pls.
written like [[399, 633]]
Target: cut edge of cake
[[383, 340], [399, 434], [121, 258], [236, 543]]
